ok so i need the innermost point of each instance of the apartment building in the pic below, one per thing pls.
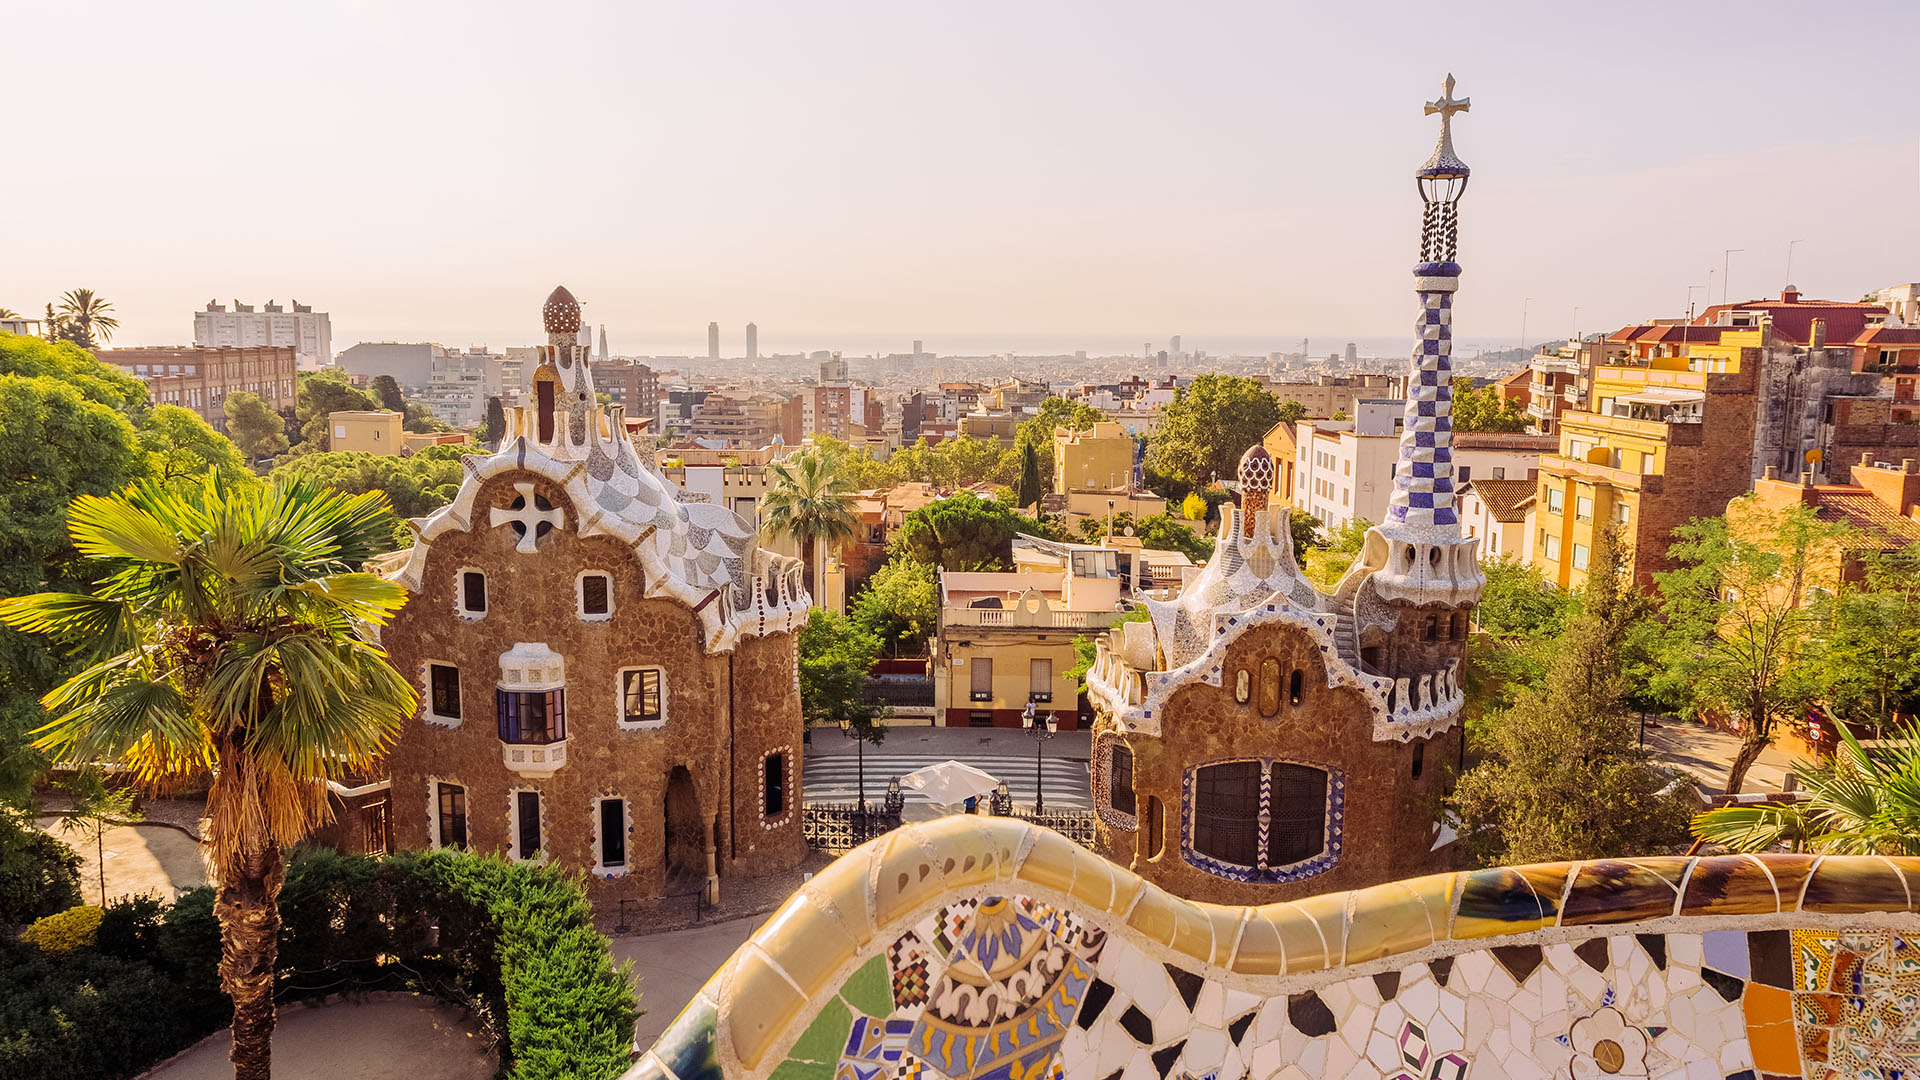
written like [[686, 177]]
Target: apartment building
[[1100, 458], [1329, 394], [369, 431], [1880, 504], [200, 377], [1343, 470], [307, 332], [736, 419], [1560, 377], [1005, 640]]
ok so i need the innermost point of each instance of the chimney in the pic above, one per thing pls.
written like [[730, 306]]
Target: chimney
[[1789, 295], [1806, 479], [1866, 457], [1819, 334], [1906, 465], [1772, 473]]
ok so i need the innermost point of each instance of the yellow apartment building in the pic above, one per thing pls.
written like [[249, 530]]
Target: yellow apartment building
[[373, 431], [1006, 639], [1100, 459], [1669, 438]]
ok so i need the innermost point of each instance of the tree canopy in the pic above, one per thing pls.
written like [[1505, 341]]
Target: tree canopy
[[835, 655], [900, 606], [415, 485], [1482, 409], [960, 532], [1205, 428], [321, 393]]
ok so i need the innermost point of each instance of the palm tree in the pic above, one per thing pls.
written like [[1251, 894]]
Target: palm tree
[[1860, 803], [8, 313], [88, 312], [810, 501], [230, 636]]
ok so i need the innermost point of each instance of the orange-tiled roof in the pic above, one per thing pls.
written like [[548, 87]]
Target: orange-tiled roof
[[1506, 499], [1858, 507], [1793, 319], [1883, 335]]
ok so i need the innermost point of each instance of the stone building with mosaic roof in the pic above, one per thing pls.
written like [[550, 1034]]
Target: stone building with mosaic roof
[[1259, 739], [606, 667]]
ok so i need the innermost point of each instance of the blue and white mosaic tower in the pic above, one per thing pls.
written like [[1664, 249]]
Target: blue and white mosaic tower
[[1427, 559]]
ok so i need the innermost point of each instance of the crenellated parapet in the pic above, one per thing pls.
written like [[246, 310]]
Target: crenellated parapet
[[986, 947]]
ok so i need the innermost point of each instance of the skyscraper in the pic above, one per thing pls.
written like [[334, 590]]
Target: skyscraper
[[753, 342], [603, 341], [713, 341], [1173, 346]]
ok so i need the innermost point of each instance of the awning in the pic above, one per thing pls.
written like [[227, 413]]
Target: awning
[[1664, 397]]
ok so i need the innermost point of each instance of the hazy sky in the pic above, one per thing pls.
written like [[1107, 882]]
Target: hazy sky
[[981, 175]]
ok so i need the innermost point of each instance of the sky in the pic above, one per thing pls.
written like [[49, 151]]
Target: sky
[[985, 176]]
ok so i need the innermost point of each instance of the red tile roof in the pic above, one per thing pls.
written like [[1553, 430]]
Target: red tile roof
[[1506, 499], [1881, 335], [1858, 507], [1793, 319]]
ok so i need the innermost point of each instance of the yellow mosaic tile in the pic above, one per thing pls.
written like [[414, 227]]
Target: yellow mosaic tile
[[906, 877], [1050, 861], [1329, 912], [843, 886], [760, 1005], [1259, 952], [1494, 902], [1300, 938], [1192, 930], [1386, 920], [809, 940], [1225, 922], [1154, 915], [1609, 891]]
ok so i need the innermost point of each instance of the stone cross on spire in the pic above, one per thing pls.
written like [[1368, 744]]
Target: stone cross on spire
[[1444, 160]]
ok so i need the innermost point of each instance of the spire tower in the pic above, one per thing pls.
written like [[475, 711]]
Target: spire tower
[[1426, 558]]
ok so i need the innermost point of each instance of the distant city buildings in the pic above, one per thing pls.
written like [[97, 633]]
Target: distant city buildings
[[307, 332], [200, 377]]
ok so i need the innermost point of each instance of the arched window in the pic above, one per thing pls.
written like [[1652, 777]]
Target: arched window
[[1156, 828], [1296, 684], [1242, 686], [543, 391], [1269, 687], [1226, 812], [1120, 779]]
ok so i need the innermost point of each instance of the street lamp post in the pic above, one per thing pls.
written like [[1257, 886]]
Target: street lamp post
[[860, 750], [1041, 729]]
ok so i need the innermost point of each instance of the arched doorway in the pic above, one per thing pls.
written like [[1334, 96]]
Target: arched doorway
[[685, 848]]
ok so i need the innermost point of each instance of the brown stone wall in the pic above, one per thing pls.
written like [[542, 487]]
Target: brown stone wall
[[1409, 654], [533, 598], [1698, 479], [1387, 830]]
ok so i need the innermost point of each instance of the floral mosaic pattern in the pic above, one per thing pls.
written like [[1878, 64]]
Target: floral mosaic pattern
[[993, 950]]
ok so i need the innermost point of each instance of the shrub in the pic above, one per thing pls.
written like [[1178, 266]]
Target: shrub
[[71, 929], [85, 1015], [130, 928], [39, 875]]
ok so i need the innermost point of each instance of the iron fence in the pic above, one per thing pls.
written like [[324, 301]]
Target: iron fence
[[840, 827]]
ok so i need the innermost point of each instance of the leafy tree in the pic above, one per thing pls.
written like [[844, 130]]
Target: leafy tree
[[39, 875], [494, 428], [231, 641], [415, 485], [1306, 535], [1737, 633], [320, 394], [1193, 507], [1163, 533], [88, 315], [1859, 803], [1027, 492], [1206, 427], [1292, 412], [66, 431], [1868, 637], [386, 389], [836, 654], [900, 606], [1339, 414], [420, 419], [810, 501], [1482, 409], [1562, 776], [1330, 561], [960, 532], [255, 428], [180, 445]]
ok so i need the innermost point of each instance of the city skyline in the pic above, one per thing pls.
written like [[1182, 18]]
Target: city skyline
[[1096, 180]]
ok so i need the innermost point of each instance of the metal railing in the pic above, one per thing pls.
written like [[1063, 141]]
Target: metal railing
[[838, 828], [899, 690]]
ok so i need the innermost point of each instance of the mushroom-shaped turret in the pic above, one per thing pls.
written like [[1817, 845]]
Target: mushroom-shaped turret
[[1256, 484], [561, 312]]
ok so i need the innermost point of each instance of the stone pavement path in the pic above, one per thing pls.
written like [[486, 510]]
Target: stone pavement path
[[142, 858], [1706, 753], [672, 967], [382, 1037]]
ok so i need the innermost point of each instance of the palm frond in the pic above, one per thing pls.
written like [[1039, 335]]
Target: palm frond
[[362, 596], [118, 528], [94, 626], [109, 712], [1752, 828]]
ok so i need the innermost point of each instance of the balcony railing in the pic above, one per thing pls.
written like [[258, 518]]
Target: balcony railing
[[1014, 616]]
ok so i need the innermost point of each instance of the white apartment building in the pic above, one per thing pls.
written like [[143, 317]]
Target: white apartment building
[[460, 383], [307, 332], [1344, 469]]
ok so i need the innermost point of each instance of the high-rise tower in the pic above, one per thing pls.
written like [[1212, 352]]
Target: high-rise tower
[[753, 342], [713, 341], [603, 341]]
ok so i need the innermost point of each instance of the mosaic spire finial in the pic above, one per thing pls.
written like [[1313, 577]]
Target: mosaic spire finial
[[1423, 479]]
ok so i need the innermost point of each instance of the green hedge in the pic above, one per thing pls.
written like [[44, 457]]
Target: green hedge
[[513, 942], [39, 875]]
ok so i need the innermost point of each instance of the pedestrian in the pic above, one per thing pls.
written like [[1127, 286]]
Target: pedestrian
[[972, 802]]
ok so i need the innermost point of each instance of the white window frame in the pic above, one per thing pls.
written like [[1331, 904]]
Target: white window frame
[[460, 593], [1553, 546], [1556, 501], [1622, 513], [513, 826], [620, 699], [580, 595], [426, 693], [601, 868], [433, 810], [1581, 556], [1583, 508]]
